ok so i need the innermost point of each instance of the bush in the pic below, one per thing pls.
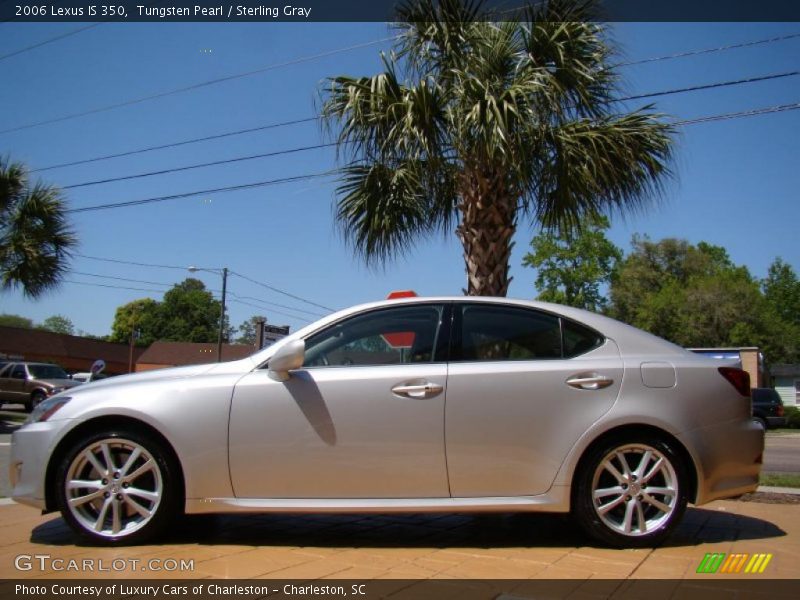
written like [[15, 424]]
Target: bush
[[792, 417]]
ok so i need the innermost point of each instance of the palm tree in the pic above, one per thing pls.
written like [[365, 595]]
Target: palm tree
[[35, 238], [491, 121]]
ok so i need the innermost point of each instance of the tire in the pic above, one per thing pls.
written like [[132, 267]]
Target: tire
[[641, 499], [36, 399], [127, 504]]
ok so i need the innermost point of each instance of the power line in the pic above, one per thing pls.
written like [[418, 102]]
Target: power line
[[199, 166], [169, 285], [176, 144], [738, 115], [319, 146], [50, 40], [310, 119], [127, 262], [304, 320], [117, 287], [231, 188], [708, 86], [771, 40], [269, 287], [195, 86], [158, 266]]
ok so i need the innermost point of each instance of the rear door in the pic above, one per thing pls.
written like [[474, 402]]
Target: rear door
[[523, 385]]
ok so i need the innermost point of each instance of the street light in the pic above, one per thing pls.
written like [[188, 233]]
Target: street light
[[224, 273]]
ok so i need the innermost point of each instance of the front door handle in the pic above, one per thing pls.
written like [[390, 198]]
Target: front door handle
[[423, 389], [589, 381]]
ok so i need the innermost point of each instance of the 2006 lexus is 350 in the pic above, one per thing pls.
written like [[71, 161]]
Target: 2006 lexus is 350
[[408, 405]]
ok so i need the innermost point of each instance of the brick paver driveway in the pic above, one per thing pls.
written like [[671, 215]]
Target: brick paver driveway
[[415, 547]]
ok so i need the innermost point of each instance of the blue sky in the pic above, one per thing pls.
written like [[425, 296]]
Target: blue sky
[[736, 181]]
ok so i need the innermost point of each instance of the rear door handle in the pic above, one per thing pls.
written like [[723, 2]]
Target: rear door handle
[[424, 389], [589, 381]]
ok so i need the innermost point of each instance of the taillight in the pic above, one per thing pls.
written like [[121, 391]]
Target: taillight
[[737, 378], [780, 410]]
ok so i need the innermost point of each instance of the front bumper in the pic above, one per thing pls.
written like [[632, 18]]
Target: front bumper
[[728, 457], [775, 422], [31, 447]]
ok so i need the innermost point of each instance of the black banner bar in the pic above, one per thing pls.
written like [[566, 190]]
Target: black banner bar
[[270, 11], [329, 589]]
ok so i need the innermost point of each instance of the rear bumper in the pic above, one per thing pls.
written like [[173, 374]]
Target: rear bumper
[[728, 458]]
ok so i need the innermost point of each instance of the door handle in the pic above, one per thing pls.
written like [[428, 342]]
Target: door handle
[[589, 381], [424, 389]]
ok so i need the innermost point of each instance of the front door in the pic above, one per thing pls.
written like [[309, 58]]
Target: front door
[[363, 418]]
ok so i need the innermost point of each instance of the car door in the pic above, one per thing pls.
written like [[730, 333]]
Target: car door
[[6, 393], [14, 384], [363, 418], [523, 385]]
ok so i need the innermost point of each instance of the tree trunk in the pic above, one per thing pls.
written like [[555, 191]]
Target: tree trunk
[[488, 222]]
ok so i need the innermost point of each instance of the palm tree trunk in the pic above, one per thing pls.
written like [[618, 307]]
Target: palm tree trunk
[[488, 223]]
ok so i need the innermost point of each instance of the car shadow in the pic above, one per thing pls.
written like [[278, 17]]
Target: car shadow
[[699, 526]]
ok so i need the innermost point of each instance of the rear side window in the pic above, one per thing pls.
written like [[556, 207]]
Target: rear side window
[[579, 339], [486, 332], [491, 333]]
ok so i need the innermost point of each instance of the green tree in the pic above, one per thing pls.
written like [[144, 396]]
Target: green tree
[[7, 320], [58, 324], [35, 238], [247, 330], [691, 295], [189, 313], [475, 123], [782, 294], [782, 291], [140, 315], [573, 264]]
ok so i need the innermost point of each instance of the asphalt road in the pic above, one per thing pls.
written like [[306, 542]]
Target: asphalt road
[[782, 454]]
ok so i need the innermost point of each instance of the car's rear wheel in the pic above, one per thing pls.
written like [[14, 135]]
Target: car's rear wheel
[[118, 487], [630, 493], [761, 421]]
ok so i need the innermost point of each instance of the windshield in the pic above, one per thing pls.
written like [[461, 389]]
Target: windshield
[[47, 372]]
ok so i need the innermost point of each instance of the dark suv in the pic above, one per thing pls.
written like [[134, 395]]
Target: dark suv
[[768, 408]]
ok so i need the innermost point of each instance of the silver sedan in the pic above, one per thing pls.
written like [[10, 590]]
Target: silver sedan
[[410, 405]]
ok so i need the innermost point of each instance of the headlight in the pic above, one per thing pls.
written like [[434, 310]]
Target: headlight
[[46, 409], [56, 390]]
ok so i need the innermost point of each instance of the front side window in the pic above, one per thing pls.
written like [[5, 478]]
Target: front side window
[[389, 336], [47, 372], [491, 332]]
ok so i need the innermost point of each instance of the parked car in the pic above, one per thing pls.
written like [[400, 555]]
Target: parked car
[[412, 405], [768, 408], [87, 377], [29, 383]]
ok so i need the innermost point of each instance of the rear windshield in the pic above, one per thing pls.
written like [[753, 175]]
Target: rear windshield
[[766, 396]]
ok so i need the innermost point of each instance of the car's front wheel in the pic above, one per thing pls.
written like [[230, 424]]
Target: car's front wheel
[[118, 487], [630, 493]]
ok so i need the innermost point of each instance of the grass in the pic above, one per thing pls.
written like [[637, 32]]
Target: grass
[[791, 480], [10, 415]]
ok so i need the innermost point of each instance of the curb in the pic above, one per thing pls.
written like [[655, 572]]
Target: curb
[[778, 490]]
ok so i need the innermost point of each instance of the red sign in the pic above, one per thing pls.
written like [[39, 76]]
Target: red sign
[[400, 339]]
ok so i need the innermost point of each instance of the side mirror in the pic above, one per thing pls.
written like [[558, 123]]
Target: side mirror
[[288, 358]]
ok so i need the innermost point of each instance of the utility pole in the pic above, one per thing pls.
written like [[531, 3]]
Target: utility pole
[[224, 273]]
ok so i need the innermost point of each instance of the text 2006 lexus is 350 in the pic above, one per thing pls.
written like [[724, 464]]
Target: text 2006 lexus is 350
[[410, 405]]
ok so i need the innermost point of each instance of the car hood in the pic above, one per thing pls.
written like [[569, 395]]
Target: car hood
[[238, 366], [59, 383]]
